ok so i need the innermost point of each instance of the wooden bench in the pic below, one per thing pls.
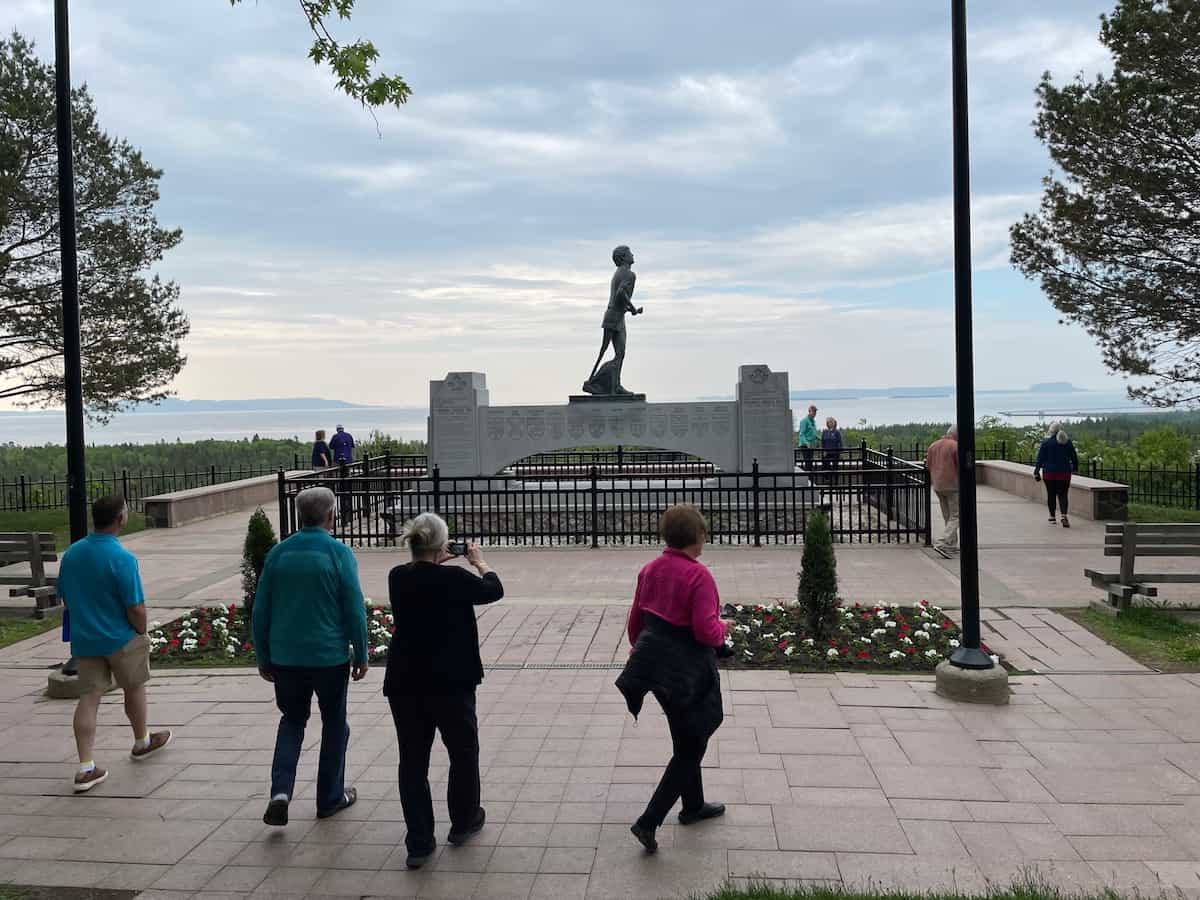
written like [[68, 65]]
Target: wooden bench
[[1129, 540], [19, 547]]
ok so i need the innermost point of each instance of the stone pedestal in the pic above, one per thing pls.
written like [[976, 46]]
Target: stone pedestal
[[468, 438], [973, 685]]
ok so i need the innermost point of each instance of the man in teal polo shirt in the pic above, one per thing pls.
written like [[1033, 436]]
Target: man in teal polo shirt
[[98, 580], [308, 614], [809, 437]]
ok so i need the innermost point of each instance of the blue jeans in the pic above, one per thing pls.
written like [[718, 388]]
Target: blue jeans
[[294, 689]]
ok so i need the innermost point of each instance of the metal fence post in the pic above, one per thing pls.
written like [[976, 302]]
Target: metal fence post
[[1004, 450], [620, 458], [1196, 484], [891, 464], [25, 497], [595, 521], [927, 489], [754, 480], [284, 531], [437, 489], [1094, 473]]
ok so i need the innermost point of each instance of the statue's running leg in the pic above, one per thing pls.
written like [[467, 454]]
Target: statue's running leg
[[603, 350], [618, 342]]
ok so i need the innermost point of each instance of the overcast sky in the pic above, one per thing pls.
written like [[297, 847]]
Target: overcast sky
[[780, 169]]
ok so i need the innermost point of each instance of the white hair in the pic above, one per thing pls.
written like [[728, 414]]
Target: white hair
[[1061, 435], [426, 533], [313, 506], [1055, 428], [952, 431]]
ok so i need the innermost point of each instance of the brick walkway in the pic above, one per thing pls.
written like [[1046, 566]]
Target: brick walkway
[[1091, 777]]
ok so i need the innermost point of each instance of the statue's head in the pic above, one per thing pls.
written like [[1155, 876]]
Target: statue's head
[[622, 255]]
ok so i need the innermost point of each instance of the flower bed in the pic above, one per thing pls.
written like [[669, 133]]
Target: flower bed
[[220, 636], [868, 637], [909, 639]]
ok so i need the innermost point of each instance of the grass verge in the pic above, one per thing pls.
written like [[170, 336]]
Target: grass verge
[[18, 892], [1144, 512], [13, 630], [1152, 636], [55, 521], [768, 891]]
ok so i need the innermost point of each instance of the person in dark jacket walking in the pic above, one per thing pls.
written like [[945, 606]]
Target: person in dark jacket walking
[[831, 448], [675, 628], [1056, 462], [433, 668]]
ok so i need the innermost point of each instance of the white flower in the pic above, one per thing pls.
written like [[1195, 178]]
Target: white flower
[[895, 604], [863, 640], [809, 642], [744, 629], [189, 645], [748, 653], [832, 653], [757, 623], [890, 624], [932, 654], [380, 650], [768, 634], [739, 608], [953, 643], [934, 625], [884, 614], [896, 654], [787, 634], [789, 651], [923, 635], [936, 609], [878, 631], [906, 640]]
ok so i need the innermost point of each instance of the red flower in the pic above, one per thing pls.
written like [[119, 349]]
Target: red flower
[[863, 654], [867, 617], [783, 645], [174, 642], [833, 643], [767, 620], [845, 651], [910, 650], [246, 646]]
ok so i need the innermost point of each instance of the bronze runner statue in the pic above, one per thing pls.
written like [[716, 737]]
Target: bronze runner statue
[[606, 379]]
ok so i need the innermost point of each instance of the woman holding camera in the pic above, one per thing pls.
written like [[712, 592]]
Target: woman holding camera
[[433, 668], [676, 629]]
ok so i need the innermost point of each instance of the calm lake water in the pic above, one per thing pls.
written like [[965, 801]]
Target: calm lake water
[[409, 423]]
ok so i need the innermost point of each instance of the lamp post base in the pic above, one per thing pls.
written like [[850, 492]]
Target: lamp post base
[[988, 685]]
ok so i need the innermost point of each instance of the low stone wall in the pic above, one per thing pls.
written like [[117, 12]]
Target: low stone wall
[[184, 507], [1091, 498]]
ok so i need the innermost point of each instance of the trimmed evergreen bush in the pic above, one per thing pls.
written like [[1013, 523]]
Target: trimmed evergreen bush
[[260, 538], [817, 594]]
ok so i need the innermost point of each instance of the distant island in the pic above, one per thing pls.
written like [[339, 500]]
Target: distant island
[[175, 405], [946, 390]]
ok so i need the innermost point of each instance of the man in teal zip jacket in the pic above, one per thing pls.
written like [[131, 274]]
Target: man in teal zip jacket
[[310, 636], [810, 438]]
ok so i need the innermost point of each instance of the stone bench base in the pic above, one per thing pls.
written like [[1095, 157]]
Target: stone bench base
[[1091, 498]]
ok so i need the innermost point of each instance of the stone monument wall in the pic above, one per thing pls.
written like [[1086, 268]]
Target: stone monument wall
[[467, 437]]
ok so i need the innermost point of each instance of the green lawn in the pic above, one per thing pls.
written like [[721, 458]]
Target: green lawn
[[1152, 636], [15, 892], [55, 520], [816, 892], [1144, 512], [14, 629]]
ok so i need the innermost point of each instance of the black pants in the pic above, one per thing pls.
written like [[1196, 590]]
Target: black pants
[[294, 689], [807, 453], [831, 467], [682, 779], [416, 717], [1057, 490]]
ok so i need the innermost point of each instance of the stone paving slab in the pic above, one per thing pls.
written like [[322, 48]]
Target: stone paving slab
[[886, 784]]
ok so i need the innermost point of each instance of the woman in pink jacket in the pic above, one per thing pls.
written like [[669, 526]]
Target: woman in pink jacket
[[675, 629]]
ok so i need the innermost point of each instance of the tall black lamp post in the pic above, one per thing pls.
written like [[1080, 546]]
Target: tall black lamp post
[[969, 655], [72, 353]]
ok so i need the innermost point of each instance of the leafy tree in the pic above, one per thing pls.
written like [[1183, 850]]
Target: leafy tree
[[260, 538], [131, 324], [817, 594], [351, 64], [1115, 243]]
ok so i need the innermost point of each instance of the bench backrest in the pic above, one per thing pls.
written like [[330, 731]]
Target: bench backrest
[[24, 546], [1130, 540]]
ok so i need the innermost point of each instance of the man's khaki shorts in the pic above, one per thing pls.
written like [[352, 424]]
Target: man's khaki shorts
[[129, 667]]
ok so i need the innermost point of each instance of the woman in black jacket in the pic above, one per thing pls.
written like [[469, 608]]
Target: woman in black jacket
[[433, 668]]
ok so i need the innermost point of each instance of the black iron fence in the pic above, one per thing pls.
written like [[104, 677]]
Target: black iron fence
[[869, 497], [22, 494]]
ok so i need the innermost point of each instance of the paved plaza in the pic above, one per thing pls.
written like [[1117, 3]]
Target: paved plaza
[[1090, 778]]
